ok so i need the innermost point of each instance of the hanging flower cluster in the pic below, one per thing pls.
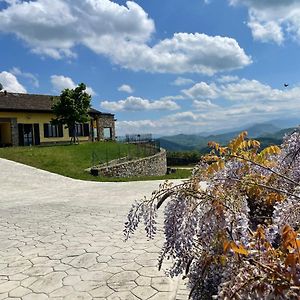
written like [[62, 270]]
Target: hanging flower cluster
[[233, 227]]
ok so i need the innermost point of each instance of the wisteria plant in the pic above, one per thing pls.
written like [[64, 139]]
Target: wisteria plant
[[233, 228]]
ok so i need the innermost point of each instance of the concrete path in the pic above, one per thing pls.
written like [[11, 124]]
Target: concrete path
[[62, 239]]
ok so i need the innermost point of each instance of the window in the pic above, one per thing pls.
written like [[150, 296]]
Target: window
[[107, 133], [81, 130], [53, 130]]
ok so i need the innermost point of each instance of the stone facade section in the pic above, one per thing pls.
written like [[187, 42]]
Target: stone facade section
[[106, 121], [14, 132], [155, 165]]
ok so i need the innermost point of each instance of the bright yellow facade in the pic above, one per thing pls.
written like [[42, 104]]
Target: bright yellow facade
[[25, 119], [31, 118]]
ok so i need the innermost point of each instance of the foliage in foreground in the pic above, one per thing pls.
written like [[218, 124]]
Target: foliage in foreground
[[237, 238]]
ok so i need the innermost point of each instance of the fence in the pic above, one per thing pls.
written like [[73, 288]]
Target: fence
[[128, 148]]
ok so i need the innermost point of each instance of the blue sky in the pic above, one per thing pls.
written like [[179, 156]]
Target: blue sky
[[162, 67]]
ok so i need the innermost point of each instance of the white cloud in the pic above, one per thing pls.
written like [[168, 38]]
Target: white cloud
[[245, 90], [184, 122], [272, 20], [17, 72], [139, 104], [186, 116], [242, 90], [202, 90], [177, 97], [240, 103], [10, 83], [204, 105], [227, 78], [266, 31], [60, 82], [179, 81], [193, 53], [126, 88], [122, 33], [53, 27]]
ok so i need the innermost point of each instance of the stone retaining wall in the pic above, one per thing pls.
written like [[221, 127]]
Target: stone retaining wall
[[155, 165]]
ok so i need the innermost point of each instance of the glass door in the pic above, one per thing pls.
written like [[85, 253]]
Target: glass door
[[28, 135]]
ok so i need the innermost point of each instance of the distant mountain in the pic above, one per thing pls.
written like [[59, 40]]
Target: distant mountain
[[267, 134], [172, 146], [286, 123], [278, 123], [261, 129]]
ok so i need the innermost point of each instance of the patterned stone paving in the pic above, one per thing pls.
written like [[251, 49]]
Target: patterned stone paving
[[62, 239]]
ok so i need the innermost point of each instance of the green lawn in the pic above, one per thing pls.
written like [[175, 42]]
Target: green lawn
[[72, 160]]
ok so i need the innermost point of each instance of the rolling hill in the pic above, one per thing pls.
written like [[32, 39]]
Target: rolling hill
[[267, 134]]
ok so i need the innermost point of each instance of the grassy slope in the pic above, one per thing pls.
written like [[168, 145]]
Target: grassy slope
[[71, 160]]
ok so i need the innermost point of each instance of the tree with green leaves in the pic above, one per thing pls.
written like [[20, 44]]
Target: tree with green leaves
[[72, 108]]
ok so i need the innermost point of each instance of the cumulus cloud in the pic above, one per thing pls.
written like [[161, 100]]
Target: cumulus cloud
[[177, 97], [179, 81], [184, 122], [240, 90], [272, 20], [202, 90], [126, 88], [60, 82], [186, 116], [121, 33], [227, 78], [237, 103], [204, 105], [269, 31], [33, 79], [193, 53], [10, 83], [245, 90], [139, 104], [53, 27]]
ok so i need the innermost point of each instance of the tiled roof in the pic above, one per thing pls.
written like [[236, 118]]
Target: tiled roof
[[31, 102]]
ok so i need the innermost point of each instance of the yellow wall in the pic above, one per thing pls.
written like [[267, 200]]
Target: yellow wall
[[40, 118], [5, 133]]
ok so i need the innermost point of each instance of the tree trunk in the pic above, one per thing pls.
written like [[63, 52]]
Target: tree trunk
[[74, 138]]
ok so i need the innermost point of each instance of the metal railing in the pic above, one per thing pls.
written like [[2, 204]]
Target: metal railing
[[138, 146]]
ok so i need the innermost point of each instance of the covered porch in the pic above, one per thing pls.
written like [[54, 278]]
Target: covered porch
[[8, 132]]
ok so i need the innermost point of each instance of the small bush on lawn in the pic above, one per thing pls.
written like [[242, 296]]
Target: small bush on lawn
[[238, 238]]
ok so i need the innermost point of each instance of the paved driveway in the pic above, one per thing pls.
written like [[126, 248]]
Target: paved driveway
[[62, 239]]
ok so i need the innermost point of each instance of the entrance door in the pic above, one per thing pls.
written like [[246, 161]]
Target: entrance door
[[28, 135], [25, 134]]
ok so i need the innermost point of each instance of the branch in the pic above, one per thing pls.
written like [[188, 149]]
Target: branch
[[266, 168], [267, 268], [260, 185]]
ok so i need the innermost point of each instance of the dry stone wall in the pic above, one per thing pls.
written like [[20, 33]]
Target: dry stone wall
[[155, 165]]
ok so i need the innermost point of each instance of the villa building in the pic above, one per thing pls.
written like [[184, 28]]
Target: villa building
[[25, 120]]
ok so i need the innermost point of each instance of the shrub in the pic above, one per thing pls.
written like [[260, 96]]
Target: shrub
[[182, 158], [238, 237]]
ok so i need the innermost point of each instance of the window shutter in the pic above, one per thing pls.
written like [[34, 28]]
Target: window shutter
[[46, 130], [21, 134], [60, 130], [86, 129]]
